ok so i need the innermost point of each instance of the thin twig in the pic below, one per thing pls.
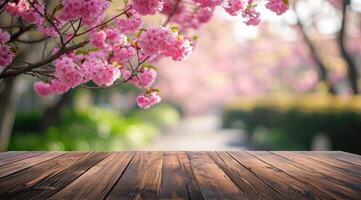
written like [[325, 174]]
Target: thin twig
[[102, 24], [43, 62]]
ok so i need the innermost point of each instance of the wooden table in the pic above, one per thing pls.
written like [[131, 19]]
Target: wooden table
[[180, 175]]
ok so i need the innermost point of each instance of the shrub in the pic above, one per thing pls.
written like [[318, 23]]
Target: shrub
[[291, 123], [94, 128]]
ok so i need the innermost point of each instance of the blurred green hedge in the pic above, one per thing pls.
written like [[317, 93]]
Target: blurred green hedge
[[94, 128], [291, 123]]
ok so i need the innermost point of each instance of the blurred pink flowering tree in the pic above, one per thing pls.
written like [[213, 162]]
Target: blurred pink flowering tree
[[212, 76], [268, 63], [81, 45]]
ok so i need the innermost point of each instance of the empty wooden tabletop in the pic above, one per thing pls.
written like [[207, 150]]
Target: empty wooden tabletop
[[180, 175]]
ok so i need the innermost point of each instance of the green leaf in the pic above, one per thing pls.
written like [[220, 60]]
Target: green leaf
[[149, 66], [175, 29], [56, 9], [142, 30], [85, 51]]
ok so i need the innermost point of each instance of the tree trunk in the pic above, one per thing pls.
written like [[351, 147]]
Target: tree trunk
[[52, 114], [322, 70], [351, 64], [8, 103]]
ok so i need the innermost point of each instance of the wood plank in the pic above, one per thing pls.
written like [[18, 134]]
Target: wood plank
[[328, 159], [52, 183], [98, 180], [27, 178], [178, 181], [213, 182], [346, 157], [28, 162], [14, 156], [351, 181], [251, 186], [193, 187], [6, 154], [323, 183], [141, 179], [279, 180]]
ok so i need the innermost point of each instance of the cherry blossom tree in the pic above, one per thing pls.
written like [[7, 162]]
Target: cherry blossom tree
[[88, 47], [345, 20], [82, 46]]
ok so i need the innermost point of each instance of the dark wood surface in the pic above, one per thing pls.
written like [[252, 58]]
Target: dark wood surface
[[180, 175]]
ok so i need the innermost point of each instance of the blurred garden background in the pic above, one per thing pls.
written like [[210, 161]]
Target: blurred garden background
[[291, 83]]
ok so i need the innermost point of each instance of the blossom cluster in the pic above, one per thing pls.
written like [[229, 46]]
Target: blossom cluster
[[6, 55], [189, 17], [277, 6], [73, 70], [162, 41], [122, 50], [91, 11], [33, 12]]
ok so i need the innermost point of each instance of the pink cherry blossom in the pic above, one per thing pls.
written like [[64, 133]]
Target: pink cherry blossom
[[67, 72], [42, 89], [147, 7], [148, 100], [204, 14], [131, 24], [126, 74], [251, 15], [91, 11], [31, 14], [6, 55], [114, 37], [58, 87], [169, 7], [98, 39], [209, 3], [161, 40], [100, 71], [122, 54], [233, 7], [155, 40], [145, 78], [180, 50], [107, 38], [277, 6], [4, 36]]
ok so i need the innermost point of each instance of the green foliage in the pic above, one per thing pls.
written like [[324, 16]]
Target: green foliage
[[278, 126], [162, 115], [94, 128]]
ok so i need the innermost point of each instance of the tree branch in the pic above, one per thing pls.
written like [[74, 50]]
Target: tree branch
[[43, 62], [102, 24], [351, 64], [322, 70]]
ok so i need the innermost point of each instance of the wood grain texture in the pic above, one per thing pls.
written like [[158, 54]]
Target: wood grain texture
[[323, 168], [180, 175], [19, 182], [178, 181], [51, 184], [97, 181], [13, 156], [352, 169], [28, 162], [141, 179], [278, 179], [321, 183], [346, 157], [251, 186], [214, 183]]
